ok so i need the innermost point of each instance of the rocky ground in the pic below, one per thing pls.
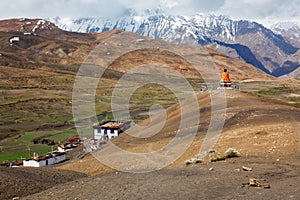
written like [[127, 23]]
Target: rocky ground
[[265, 132], [219, 180], [19, 182], [37, 87]]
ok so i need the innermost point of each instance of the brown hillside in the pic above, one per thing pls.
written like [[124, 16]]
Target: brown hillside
[[40, 27], [49, 60], [29, 181], [36, 82], [255, 127], [49, 46], [265, 132], [138, 50]]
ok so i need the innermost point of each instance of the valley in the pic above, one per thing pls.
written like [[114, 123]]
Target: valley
[[38, 75]]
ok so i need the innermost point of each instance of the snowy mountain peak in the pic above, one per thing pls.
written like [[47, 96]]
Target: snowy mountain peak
[[241, 39], [151, 12], [289, 30], [156, 24], [285, 25]]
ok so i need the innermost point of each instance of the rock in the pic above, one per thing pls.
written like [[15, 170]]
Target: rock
[[254, 182], [231, 152], [193, 161], [266, 185], [211, 169], [247, 168]]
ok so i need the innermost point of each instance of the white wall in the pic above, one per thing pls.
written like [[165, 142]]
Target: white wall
[[60, 158], [51, 161], [113, 133], [34, 163], [100, 134], [59, 149], [41, 163]]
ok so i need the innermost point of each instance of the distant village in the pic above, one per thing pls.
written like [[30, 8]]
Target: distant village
[[102, 132]]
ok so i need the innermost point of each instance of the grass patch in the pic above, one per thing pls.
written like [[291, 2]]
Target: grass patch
[[12, 156], [275, 91], [25, 153], [63, 135], [14, 147], [27, 138], [284, 94], [150, 94]]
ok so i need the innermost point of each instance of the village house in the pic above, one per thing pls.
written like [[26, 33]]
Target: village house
[[68, 146], [109, 129], [44, 160]]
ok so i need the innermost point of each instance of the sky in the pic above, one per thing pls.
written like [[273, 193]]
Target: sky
[[263, 11]]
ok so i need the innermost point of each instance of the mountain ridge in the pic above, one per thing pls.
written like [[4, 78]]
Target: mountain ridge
[[270, 48], [49, 43]]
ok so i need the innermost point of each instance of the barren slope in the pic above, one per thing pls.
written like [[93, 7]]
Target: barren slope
[[254, 126], [37, 73], [264, 131], [36, 81], [19, 182]]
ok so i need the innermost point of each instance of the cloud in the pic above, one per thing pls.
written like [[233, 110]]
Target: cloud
[[242, 9], [64, 8], [99, 8], [261, 9], [189, 7]]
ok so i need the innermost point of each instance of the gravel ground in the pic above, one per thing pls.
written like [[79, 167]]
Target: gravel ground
[[19, 182], [219, 180]]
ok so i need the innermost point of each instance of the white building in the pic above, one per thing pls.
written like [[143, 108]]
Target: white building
[[34, 163], [48, 159], [66, 147], [110, 129]]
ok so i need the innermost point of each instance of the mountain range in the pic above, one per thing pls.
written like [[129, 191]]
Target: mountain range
[[274, 51], [39, 61], [39, 64]]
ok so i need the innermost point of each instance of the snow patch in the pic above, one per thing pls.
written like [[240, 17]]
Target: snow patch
[[287, 25], [14, 39], [38, 24]]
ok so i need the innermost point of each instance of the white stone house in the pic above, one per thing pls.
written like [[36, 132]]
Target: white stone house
[[68, 146], [48, 159], [110, 129]]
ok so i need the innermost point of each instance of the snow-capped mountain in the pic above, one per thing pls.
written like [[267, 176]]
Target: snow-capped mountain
[[289, 30], [250, 41], [155, 24]]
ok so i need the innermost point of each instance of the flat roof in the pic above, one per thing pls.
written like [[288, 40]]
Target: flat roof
[[112, 124]]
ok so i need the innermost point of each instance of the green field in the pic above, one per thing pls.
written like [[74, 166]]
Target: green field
[[30, 113]]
